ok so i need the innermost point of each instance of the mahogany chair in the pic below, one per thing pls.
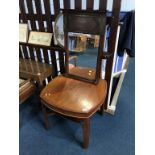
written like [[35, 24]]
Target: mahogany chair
[[73, 97], [26, 89]]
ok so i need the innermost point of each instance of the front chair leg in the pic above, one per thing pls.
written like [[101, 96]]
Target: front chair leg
[[86, 131], [45, 116]]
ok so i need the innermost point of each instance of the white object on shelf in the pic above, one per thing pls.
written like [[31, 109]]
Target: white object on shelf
[[23, 33]]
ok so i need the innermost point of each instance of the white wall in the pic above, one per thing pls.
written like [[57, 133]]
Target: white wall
[[127, 5]]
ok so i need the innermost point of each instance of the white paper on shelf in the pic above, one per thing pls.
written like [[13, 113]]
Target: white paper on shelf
[[40, 38]]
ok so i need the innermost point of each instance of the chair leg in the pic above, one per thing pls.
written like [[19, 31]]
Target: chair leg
[[45, 116], [86, 131], [101, 111], [20, 124]]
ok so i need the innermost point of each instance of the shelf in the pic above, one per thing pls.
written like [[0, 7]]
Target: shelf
[[52, 47]]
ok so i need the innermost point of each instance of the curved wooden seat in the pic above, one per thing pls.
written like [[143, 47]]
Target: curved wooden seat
[[74, 98]]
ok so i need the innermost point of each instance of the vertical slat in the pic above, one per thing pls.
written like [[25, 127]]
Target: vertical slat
[[31, 53], [33, 26], [66, 4], [20, 52], [112, 40], [56, 7], [54, 64], [38, 52], [48, 15], [30, 10], [45, 54], [78, 4], [23, 15], [46, 59], [103, 5], [41, 28], [90, 4], [22, 9], [61, 62], [25, 52], [49, 26], [39, 14]]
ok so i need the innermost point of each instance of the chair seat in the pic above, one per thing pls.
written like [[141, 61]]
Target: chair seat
[[74, 98]]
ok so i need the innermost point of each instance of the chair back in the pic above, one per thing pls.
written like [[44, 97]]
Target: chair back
[[85, 22]]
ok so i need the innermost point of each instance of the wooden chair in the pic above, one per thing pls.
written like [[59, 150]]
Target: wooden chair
[[72, 98], [26, 89]]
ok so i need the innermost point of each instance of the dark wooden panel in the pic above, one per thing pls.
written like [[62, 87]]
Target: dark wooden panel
[[84, 23], [36, 17], [38, 53], [61, 62], [22, 9], [48, 14], [54, 64], [45, 54], [78, 4], [90, 4], [56, 7], [103, 5], [25, 52], [20, 52], [30, 10], [31, 53], [66, 4]]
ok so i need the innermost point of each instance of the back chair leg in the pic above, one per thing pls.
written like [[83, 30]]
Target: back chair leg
[[45, 116], [101, 111], [86, 132]]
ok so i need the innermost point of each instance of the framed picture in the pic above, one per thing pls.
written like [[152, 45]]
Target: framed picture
[[23, 33], [40, 38]]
